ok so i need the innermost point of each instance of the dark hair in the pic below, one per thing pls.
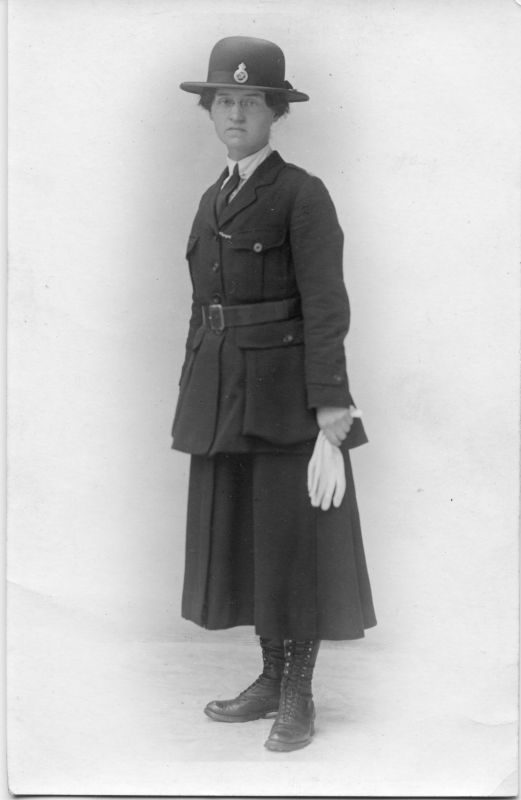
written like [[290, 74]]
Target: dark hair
[[274, 100]]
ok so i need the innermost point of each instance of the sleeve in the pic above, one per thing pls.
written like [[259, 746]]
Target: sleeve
[[194, 323], [317, 248], [196, 310]]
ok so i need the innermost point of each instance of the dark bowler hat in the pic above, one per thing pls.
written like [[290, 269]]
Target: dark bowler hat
[[242, 61]]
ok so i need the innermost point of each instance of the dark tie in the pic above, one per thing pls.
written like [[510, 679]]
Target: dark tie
[[224, 195]]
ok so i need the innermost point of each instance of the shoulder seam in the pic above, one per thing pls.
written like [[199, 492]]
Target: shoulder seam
[[297, 168]]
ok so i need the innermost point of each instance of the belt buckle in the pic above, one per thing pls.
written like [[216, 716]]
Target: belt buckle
[[216, 317]]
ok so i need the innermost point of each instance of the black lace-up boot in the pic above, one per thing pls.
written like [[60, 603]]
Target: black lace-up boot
[[295, 723], [259, 699]]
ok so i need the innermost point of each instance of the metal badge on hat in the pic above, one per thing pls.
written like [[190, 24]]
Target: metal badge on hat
[[240, 74]]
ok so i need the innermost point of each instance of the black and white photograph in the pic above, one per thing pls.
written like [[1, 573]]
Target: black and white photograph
[[263, 397]]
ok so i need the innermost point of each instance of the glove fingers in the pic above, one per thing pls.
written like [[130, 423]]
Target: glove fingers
[[326, 474], [329, 480], [327, 496], [322, 487], [314, 467], [334, 492]]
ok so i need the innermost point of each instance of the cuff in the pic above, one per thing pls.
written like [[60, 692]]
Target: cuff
[[327, 395]]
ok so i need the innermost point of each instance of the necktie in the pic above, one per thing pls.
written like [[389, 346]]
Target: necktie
[[226, 191]]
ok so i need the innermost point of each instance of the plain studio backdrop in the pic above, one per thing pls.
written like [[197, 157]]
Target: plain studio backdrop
[[414, 127]]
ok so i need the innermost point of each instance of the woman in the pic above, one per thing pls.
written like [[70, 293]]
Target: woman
[[264, 372]]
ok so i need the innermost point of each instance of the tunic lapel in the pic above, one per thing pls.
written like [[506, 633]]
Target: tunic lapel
[[263, 175]]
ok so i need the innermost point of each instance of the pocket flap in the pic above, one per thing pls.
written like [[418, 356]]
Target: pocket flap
[[258, 240], [271, 334]]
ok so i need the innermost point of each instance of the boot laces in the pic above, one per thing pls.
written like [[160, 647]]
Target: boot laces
[[298, 672]]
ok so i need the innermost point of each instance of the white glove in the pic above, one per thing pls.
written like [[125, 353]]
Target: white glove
[[326, 475], [326, 472]]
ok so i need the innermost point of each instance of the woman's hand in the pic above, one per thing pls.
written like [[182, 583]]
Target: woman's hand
[[335, 423]]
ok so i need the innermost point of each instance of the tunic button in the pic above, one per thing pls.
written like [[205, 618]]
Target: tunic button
[[337, 378], [216, 298], [215, 266], [288, 338], [257, 247]]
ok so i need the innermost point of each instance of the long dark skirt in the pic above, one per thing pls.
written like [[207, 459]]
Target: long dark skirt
[[258, 553]]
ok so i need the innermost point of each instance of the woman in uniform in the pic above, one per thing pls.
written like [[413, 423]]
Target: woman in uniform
[[264, 373]]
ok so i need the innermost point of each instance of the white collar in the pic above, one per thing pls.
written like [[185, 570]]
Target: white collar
[[248, 165]]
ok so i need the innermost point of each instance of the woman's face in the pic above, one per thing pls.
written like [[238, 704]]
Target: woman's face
[[242, 120]]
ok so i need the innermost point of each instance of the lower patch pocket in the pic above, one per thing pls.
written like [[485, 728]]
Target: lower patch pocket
[[275, 391]]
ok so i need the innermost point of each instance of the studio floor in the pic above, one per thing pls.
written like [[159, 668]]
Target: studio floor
[[91, 712]]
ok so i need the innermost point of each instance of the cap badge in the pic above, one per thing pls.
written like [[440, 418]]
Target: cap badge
[[240, 74]]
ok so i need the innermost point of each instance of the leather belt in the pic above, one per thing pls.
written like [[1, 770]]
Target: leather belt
[[217, 317]]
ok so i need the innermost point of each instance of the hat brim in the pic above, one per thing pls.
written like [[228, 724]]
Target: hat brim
[[291, 95]]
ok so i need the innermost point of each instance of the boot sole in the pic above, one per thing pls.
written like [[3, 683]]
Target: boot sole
[[282, 747], [234, 718]]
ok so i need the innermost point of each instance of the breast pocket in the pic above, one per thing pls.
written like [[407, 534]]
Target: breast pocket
[[275, 407], [258, 264]]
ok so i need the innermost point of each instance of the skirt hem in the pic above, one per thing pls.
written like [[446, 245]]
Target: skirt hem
[[271, 634]]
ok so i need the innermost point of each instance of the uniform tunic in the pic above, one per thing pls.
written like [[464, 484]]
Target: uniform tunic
[[257, 552]]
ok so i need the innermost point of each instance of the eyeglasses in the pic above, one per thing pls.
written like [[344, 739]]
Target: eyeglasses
[[249, 105]]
